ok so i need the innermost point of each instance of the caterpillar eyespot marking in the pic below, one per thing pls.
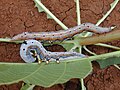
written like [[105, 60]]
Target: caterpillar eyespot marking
[[36, 48], [61, 34]]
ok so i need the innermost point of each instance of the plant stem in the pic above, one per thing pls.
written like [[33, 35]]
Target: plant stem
[[80, 49], [78, 19], [114, 35], [82, 84], [89, 51], [108, 46], [98, 57], [5, 39], [117, 66], [91, 58], [105, 16], [8, 40], [78, 12], [51, 15], [108, 12]]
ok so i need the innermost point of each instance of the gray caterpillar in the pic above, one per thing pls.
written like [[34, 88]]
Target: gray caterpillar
[[32, 50], [61, 34]]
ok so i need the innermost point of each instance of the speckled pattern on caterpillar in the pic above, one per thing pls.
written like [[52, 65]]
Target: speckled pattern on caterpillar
[[61, 34], [29, 45]]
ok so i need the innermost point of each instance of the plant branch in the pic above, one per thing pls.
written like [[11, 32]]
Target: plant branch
[[50, 14], [91, 58], [105, 16], [8, 40], [117, 66], [108, 12], [108, 46], [78, 12], [89, 51], [107, 37], [99, 57]]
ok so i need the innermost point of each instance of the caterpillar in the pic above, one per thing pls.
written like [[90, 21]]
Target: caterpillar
[[62, 34], [32, 50]]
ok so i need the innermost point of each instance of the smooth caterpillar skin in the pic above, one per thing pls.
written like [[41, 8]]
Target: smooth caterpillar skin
[[28, 45], [62, 34]]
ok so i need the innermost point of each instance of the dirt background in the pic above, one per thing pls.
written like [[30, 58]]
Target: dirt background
[[17, 16]]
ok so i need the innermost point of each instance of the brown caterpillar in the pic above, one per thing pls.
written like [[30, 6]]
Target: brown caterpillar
[[62, 34]]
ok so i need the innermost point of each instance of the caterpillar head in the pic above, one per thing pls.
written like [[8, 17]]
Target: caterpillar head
[[29, 50]]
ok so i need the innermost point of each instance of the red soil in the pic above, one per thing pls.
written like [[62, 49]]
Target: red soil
[[17, 16]]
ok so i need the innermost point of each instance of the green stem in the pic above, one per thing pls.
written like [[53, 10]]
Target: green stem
[[105, 16], [117, 66], [78, 19], [98, 57], [82, 84], [78, 12], [89, 51], [91, 58], [114, 35], [108, 12], [8, 40], [72, 49], [80, 49], [87, 40], [108, 46], [5, 39], [51, 15]]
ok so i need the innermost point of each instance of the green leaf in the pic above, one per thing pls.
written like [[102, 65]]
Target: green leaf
[[43, 74], [67, 46], [113, 4], [109, 61], [39, 8], [49, 17]]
